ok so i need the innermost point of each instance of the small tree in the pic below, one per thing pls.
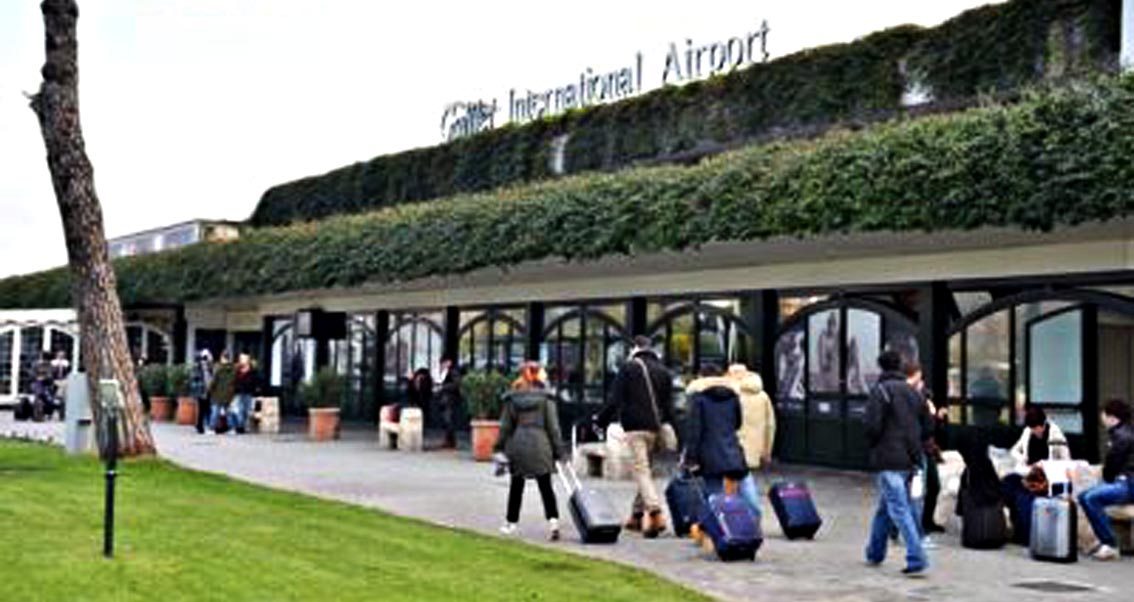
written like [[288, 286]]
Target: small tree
[[324, 390]]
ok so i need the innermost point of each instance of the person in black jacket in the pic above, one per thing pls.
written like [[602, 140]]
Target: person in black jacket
[[894, 442], [449, 394], [712, 448], [1117, 487], [642, 400]]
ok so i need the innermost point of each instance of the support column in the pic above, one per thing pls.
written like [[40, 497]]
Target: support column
[[265, 359], [452, 347], [534, 326], [381, 337], [180, 336], [1090, 375], [933, 338], [636, 318]]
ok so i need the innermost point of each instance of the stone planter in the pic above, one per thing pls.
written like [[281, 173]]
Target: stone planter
[[323, 423], [187, 411], [161, 409], [484, 436]]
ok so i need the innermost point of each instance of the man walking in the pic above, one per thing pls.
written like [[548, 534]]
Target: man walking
[[894, 444], [642, 400]]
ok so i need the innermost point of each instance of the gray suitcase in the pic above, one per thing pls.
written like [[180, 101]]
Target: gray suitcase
[[592, 512], [1055, 530]]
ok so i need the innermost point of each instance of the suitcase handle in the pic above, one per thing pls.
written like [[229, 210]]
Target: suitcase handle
[[571, 484]]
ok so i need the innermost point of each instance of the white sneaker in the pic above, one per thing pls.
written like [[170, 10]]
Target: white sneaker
[[509, 529], [553, 529], [1105, 552]]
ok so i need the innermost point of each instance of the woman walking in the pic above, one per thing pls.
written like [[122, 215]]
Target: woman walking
[[529, 437]]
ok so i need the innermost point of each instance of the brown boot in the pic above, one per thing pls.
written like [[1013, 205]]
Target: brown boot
[[655, 524], [634, 523]]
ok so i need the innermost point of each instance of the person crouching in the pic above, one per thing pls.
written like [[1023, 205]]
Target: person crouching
[[530, 438]]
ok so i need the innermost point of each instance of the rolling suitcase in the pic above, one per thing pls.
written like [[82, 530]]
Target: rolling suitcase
[[794, 508], [684, 500], [1055, 530], [594, 516], [982, 527], [729, 522]]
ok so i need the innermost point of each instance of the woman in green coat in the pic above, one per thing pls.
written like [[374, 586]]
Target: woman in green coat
[[529, 436]]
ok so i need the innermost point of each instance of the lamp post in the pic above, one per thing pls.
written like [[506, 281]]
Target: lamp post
[[111, 458]]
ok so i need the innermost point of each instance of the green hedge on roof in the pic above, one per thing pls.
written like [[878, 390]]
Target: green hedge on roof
[[994, 49], [1059, 157]]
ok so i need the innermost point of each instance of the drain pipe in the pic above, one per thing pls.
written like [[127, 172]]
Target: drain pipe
[[1126, 56]]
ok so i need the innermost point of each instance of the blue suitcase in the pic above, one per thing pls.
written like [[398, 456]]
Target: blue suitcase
[[685, 500], [732, 526], [794, 508]]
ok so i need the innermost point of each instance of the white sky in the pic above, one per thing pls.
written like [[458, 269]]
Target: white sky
[[191, 109]]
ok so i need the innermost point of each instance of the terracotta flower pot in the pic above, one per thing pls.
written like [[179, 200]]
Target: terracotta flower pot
[[161, 409], [323, 423], [484, 436], [186, 411]]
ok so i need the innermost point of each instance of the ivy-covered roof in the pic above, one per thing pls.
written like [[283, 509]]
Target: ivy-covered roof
[[1057, 157], [995, 49]]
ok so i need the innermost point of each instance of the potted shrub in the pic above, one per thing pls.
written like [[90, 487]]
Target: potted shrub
[[154, 381], [482, 392], [178, 377], [323, 394]]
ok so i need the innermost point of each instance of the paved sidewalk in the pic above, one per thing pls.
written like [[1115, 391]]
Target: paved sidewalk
[[449, 489]]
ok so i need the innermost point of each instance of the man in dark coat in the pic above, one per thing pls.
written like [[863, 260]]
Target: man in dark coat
[[1118, 478], [894, 442], [642, 400]]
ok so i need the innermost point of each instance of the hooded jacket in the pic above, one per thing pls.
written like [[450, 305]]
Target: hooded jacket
[[529, 433], [893, 435], [710, 434], [758, 420], [630, 397]]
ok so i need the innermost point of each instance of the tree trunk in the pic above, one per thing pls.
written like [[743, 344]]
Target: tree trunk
[[93, 285]]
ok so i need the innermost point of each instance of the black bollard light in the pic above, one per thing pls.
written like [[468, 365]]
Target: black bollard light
[[111, 457]]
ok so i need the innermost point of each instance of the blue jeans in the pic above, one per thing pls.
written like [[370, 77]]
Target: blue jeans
[[241, 410], [894, 508], [1094, 502], [214, 415]]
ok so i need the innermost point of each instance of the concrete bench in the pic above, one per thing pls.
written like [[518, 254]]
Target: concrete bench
[[266, 414], [400, 429], [1122, 518], [589, 459]]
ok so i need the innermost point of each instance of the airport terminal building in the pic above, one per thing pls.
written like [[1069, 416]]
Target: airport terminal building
[[962, 194]]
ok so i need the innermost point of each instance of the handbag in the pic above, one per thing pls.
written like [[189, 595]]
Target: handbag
[[667, 436]]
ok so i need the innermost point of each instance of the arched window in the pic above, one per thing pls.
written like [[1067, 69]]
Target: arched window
[[416, 340], [825, 364], [583, 347], [492, 339], [690, 334]]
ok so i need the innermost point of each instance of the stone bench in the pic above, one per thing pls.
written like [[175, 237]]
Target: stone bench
[[266, 415], [400, 428], [1122, 518]]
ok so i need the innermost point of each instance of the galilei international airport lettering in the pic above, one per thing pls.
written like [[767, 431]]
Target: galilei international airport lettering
[[683, 63]]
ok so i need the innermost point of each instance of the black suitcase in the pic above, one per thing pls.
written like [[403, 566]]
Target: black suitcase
[[592, 512], [794, 508], [685, 502], [982, 527]]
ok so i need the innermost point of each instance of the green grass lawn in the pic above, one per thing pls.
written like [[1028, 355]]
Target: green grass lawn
[[183, 535]]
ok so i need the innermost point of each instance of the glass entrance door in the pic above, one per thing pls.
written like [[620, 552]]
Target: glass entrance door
[[1057, 362]]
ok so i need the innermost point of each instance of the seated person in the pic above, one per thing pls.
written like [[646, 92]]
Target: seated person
[[1117, 487], [1041, 440]]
